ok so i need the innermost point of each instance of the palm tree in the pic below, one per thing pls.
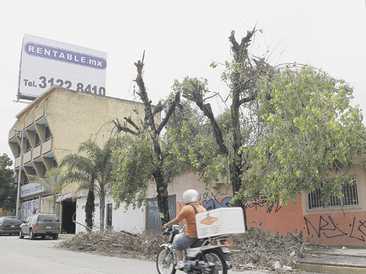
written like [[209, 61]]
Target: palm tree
[[93, 172]]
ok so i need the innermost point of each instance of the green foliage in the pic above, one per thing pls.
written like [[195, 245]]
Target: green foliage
[[91, 162], [134, 166], [8, 189], [192, 143], [312, 134], [187, 144]]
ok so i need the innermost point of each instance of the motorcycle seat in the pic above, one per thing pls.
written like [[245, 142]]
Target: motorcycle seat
[[197, 243]]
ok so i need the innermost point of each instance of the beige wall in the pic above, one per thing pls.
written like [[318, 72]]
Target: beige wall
[[76, 117]]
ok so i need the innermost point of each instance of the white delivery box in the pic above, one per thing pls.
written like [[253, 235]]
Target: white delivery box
[[221, 221]]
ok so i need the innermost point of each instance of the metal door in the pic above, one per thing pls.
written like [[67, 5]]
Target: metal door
[[153, 223]]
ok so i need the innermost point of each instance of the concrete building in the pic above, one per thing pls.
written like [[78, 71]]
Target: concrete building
[[51, 127]]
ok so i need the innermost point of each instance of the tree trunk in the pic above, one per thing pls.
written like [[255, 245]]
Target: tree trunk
[[54, 203], [101, 208], [154, 131], [90, 206], [235, 157], [162, 196]]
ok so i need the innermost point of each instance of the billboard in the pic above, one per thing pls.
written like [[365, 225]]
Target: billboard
[[46, 63]]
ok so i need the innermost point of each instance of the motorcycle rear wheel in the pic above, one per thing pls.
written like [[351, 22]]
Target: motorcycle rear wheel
[[165, 263], [213, 256]]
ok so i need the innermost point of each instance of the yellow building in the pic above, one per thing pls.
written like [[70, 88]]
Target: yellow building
[[53, 126]]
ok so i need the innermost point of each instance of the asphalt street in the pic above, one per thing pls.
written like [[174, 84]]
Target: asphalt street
[[41, 257]]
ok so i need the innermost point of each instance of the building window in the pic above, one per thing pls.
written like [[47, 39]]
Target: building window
[[28, 146], [350, 197], [53, 163], [47, 133], [37, 141]]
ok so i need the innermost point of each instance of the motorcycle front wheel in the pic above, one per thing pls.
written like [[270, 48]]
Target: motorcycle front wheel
[[165, 262], [215, 258]]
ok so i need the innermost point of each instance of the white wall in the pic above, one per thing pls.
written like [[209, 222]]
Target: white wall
[[131, 220], [134, 220]]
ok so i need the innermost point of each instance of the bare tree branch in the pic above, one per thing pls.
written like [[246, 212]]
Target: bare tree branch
[[212, 96], [207, 110], [195, 94], [121, 128], [149, 117], [132, 123], [235, 45], [247, 99], [241, 50], [169, 112], [159, 107]]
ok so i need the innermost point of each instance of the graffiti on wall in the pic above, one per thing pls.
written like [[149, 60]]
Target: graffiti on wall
[[328, 228], [210, 201]]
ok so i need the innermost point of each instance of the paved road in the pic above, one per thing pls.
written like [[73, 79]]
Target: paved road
[[41, 257]]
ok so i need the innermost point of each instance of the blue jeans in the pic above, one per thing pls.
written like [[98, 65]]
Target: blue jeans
[[182, 241]]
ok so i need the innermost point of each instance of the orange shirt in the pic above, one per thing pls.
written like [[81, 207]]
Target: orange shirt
[[188, 214]]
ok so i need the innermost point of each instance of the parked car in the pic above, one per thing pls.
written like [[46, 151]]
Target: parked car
[[40, 225], [10, 225]]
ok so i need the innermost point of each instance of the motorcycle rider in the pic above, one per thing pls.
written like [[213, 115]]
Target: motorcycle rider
[[182, 241]]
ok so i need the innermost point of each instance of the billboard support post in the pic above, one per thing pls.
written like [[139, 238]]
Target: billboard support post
[[17, 209]]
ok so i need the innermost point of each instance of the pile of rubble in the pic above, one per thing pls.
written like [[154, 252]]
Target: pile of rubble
[[121, 244], [260, 250], [252, 250]]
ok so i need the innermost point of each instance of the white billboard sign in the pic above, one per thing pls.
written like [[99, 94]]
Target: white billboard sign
[[46, 63]]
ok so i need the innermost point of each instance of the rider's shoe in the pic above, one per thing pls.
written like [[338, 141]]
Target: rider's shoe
[[180, 265]]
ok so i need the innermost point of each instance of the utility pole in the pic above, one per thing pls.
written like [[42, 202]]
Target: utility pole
[[17, 210]]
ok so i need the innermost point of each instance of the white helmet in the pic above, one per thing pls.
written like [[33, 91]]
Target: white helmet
[[191, 196]]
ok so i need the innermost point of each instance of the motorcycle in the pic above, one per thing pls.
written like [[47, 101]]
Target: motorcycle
[[205, 256]]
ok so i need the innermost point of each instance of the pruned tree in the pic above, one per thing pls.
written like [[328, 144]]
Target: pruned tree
[[242, 75], [149, 134]]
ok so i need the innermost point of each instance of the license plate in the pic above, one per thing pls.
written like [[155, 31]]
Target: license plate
[[48, 227], [13, 226]]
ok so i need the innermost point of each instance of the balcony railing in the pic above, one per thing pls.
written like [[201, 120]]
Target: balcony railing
[[12, 133], [39, 112], [29, 120], [37, 151], [27, 157], [47, 146]]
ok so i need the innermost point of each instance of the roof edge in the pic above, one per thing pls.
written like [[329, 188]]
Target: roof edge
[[52, 89]]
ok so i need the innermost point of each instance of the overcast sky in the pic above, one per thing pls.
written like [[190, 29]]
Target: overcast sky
[[183, 37]]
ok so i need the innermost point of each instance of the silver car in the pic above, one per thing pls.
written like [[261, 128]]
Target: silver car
[[40, 225]]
